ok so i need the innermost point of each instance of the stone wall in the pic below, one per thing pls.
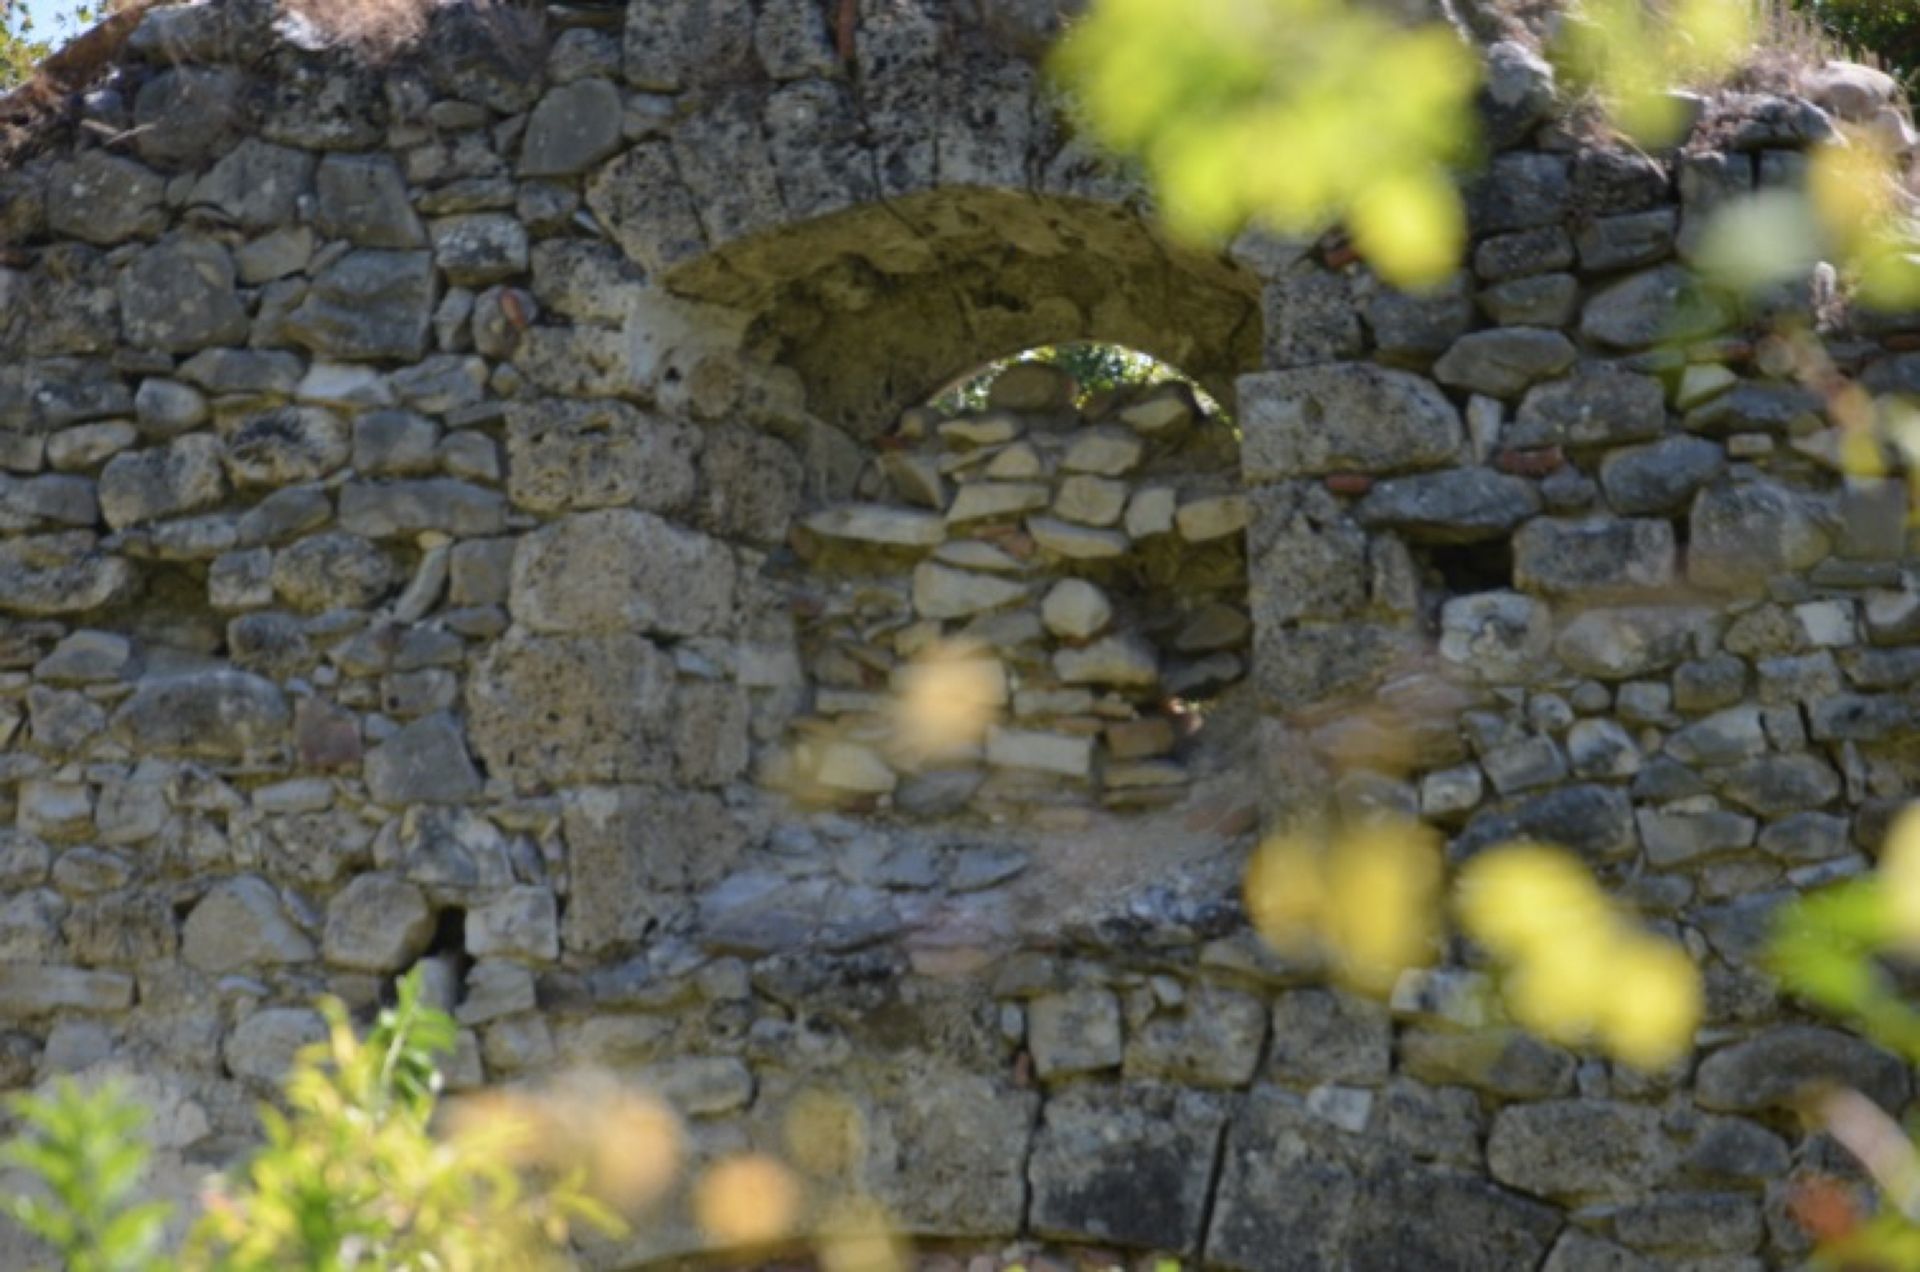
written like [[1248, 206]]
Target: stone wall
[[1038, 624], [417, 488]]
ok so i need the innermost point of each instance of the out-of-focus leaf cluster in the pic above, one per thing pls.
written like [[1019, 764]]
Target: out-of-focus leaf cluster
[[1296, 114], [1571, 964]]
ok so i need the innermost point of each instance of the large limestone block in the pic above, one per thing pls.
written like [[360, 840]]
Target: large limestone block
[[1297, 1193], [1582, 1148], [636, 855], [618, 570], [1127, 1165], [553, 711], [1344, 417]]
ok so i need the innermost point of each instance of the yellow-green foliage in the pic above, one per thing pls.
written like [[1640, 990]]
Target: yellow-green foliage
[[352, 1173]]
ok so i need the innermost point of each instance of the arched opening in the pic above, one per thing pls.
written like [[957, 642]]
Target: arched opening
[[1034, 608]]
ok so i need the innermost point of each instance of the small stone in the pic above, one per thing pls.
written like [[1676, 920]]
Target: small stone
[[424, 763], [1077, 543], [853, 768], [1505, 361], [1092, 501], [1461, 505], [1660, 477], [1104, 452], [1204, 520], [574, 127], [943, 592], [520, 923], [262, 1047], [1121, 660], [879, 524], [1072, 1033], [985, 500], [1069, 755], [1076, 609]]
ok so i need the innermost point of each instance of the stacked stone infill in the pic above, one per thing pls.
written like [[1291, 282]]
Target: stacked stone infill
[[1081, 574]]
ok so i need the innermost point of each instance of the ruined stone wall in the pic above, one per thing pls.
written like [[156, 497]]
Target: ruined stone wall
[[426, 499]]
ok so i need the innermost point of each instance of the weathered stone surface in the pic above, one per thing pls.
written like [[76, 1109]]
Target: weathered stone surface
[[331, 571], [1659, 477], [262, 1046], [478, 248], [578, 455], [1626, 641], [285, 447], [1592, 820], [641, 202], [943, 592], [363, 199], [1352, 1202], [1593, 555], [1213, 1042], [879, 524], [1773, 1069], [215, 714], [614, 693], [377, 923], [520, 922], [1076, 609], [1344, 417], [1598, 404], [368, 304], [1457, 505], [619, 570], [1507, 1063], [1074, 1032], [1646, 308], [1503, 362], [1128, 1165], [178, 296], [1502, 637], [185, 475], [257, 185], [1326, 1035], [239, 926], [424, 763], [645, 851], [36, 989], [1414, 326], [396, 509], [53, 574], [104, 199], [1579, 1148], [573, 128], [1743, 533]]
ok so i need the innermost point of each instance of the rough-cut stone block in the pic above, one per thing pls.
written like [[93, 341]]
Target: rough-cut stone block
[[547, 711], [214, 714], [1127, 1166], [1584, 1148], [1773, 1069], [1075, 1032], [1297, 1195], [636, 855], [40, 989], [1344, 417], [241, 926], [619, 570], [377, 923]]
